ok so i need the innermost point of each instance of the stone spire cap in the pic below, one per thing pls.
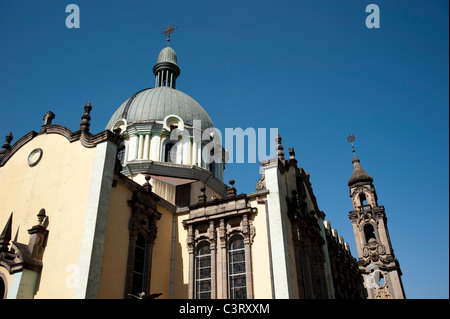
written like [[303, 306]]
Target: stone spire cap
[[359, 175]]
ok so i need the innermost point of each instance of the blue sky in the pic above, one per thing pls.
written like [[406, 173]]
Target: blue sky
[[312, 69]]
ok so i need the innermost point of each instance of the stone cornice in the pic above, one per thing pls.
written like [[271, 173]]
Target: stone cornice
[[175, 170], [21, 142], [219, 208]]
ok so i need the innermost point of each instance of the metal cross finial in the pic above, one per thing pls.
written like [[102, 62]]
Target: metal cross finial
[[351, 138], [168, 31]]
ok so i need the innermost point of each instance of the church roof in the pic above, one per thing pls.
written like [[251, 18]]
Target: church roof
[[155, 104]]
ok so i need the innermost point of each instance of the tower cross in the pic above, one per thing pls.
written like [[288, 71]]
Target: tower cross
[[351, 138]]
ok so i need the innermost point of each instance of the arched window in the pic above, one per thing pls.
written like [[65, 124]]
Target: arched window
[[211, 161], [203, 271], [121, 153], [363, 199], [212, 167], [369, 233], [237, 278], [378, 278], [168, 157], [139, 266], [381, 282]]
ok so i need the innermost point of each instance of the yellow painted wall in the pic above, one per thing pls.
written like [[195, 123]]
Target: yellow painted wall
[[115, 251], [60, 183], [260, 254], [181, 276], [160, 282]]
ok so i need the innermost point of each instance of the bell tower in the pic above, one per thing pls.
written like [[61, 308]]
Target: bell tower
[[377, 263]]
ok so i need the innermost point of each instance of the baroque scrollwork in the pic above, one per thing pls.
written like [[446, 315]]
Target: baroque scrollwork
[[373, 252]]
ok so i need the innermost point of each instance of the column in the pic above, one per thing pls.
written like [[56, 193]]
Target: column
[[155, 146], [190, 244], [278, 233], [248, 257], [186, 159], [140, 146], [383, 235], [179, 146], [194, 152], [201, 163], [223, 251], [146, 146], [212, 247], [132, 152]]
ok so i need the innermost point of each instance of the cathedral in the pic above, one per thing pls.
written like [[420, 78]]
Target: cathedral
[[140, 210]]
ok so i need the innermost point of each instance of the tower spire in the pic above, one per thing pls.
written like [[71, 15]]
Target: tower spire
[[359, 174], [5, 236], [375, 253]]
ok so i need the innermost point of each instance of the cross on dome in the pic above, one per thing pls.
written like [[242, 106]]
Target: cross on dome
[[168, 31]]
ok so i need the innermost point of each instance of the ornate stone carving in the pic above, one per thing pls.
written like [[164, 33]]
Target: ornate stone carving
[[261, 184], [22, 256], [372, 252], [383, 292]]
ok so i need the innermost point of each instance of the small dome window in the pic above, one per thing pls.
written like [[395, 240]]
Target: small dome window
[[120, 126], [172, 122]]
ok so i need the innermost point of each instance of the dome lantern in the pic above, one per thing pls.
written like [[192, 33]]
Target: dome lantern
[[166, 69]]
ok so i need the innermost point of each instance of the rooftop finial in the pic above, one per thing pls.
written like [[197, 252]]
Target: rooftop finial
[[202, 196], [147, 186], [351, 138], [41, 216], [7, 144], [231, 190], [280, 153], [291, 153], [168, 31], [85, 119]]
